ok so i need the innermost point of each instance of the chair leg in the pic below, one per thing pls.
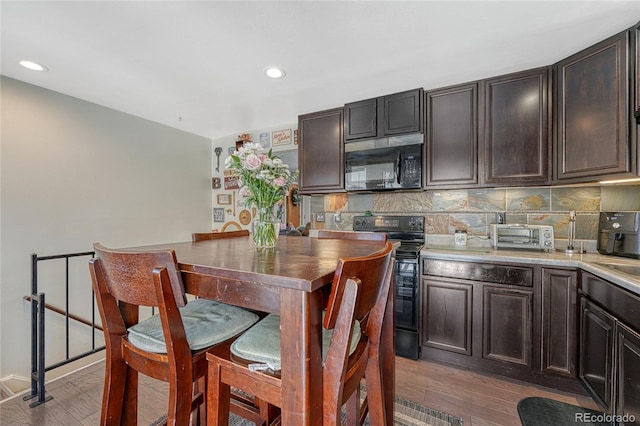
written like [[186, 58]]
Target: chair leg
[[268, 412], [180, 401], [218, 398], [117, 376], [200, 401], [375, 400], [352, 408]]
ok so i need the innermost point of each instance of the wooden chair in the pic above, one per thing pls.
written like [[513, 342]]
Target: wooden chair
[[202, 236], [169, 346], [351, 338], [350, 235]]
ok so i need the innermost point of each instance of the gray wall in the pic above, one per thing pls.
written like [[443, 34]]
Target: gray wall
[[73, 173]]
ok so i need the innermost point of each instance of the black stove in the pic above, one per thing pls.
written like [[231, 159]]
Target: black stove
[[409, 231]]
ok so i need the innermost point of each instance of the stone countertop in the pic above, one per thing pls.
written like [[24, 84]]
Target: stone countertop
[[591, 262]]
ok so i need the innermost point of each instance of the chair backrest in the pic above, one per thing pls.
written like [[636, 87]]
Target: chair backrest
[[123, 281], [369, 273], [350, 235], [360, 290], [128, 275], [202, 236]]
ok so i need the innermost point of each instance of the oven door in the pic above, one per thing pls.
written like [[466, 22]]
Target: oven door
[[406, 293]]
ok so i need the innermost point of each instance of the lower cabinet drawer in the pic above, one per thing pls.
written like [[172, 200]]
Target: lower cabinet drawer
[[485, 272]]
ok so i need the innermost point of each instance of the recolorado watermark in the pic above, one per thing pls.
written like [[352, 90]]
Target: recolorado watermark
[[604, 418]]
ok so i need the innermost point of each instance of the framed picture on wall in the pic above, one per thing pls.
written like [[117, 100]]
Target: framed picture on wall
[[231, 181], [265, 142], [218, 214], [224, 199], [281, 137]]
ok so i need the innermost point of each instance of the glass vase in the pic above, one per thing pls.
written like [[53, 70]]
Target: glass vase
[[265, 228]]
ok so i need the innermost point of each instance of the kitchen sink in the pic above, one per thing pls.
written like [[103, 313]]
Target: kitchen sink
[[633, 270]]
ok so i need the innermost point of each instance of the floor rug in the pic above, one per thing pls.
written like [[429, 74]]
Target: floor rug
[[406, 413], [535, 411]]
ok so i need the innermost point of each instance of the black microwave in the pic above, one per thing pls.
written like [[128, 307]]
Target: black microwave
[[384, 164]]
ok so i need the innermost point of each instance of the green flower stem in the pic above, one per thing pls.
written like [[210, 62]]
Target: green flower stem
[[265, 228]]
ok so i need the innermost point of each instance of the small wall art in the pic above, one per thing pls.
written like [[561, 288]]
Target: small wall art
[[281, 137], [224, 199], [231, 180], [265, 142], [218, 214]]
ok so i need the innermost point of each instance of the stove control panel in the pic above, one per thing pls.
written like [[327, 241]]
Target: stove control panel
[[384, 223]]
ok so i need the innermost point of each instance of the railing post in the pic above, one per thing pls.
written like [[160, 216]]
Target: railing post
[[41, 368], [34, 325], [37, 361]]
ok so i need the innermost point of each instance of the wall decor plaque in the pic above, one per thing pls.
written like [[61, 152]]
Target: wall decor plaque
[[281, 137]]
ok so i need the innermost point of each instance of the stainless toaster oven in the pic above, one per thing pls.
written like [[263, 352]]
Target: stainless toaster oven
[[519, 236]]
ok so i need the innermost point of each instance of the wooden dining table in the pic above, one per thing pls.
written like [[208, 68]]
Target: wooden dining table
[[291, 280]]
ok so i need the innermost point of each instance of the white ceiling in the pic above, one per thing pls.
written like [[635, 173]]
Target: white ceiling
[[197, 65]]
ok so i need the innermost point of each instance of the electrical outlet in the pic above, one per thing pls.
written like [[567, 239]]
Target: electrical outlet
[[337, 217], [319, 217]]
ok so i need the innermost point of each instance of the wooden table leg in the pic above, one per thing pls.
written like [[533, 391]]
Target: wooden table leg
[[301, 343]]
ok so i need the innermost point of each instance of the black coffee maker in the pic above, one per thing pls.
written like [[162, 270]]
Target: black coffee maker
[[619, 234]]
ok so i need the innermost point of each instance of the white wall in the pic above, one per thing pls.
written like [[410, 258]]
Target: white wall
[[73, 173]]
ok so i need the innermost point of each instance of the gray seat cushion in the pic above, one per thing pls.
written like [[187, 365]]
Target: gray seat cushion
[[261, 343], [206, 323]]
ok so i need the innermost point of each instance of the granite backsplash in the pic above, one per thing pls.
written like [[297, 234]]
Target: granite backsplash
[[473, 210]]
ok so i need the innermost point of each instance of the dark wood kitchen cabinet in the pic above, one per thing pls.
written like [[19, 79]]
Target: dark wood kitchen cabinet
[[361, 119], [628, 372], [447, 315], [559, 333], [610, 346], [321, 152], [478, 315], [451, 133], [507, 325], [635, 125], [592, 112], [390, 115], [516, 320], [596, 351], [517, 128]]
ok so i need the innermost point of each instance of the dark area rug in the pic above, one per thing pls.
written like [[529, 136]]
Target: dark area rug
[[406, 413], [535, 411]]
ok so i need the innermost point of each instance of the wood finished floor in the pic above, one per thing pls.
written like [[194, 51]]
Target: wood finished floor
[[478, 398]]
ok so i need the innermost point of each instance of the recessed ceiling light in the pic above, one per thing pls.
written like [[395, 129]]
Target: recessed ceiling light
[[274, 72], [33, 66]]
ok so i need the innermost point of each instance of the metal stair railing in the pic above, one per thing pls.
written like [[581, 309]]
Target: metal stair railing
[[38, 305]]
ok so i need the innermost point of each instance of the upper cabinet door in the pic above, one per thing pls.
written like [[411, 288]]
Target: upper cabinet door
[[321, 152], [516, 130], [593, 112], [452, 136], [390, 115], [402, 112], [361, 119], [635, 128]]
